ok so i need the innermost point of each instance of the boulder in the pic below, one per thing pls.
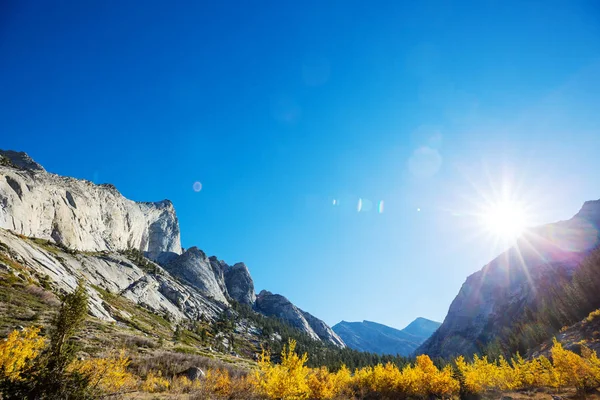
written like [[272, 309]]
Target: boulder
[[193, 374]]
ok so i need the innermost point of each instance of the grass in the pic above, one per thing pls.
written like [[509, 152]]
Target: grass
[[46, 245], [141, 319], [4, 259], [23, 304]]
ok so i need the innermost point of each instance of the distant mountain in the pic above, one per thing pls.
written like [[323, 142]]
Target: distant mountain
[[381, 339], [422, 328]]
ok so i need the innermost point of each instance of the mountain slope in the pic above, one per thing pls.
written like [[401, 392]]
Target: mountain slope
[[511, 303], [276, 305], [422, 328], [381, 339], [61, 229]]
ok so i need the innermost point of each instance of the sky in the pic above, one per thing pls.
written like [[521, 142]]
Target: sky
[[342, 149]]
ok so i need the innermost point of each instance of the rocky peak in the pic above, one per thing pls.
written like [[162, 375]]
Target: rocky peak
[[21, 160], [199, 271], [275, 305], [239, 284], [422, 328], [194, 252]]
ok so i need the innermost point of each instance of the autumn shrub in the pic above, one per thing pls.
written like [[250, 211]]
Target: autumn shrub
[[287, 380], [155, 383], [17, 351], [105, 375], [592, 316], [31, 367], [573, 370], [28, 362], [182, 384], [322, 384], [476, 376], [432, 382]]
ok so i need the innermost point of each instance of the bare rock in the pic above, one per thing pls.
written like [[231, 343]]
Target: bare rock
[[197, 269], [193, 374], [275, 305], [80, 214], [21, 160], [240, 286]]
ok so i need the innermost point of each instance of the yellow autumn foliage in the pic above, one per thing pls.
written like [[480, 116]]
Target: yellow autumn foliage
[[17, 350], [219, 382], [293, 380], [573, 370], [421, 380], [322, 384], [287, 380], [108, 375], [156, 383]]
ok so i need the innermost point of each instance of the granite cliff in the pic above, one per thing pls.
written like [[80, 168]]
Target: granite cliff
[[64, 228], [80, 214]]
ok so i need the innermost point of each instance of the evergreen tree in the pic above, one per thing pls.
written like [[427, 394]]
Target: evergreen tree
[[48, 378]]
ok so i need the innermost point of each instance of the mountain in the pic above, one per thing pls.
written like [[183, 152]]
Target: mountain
[[276, 305], [55, 229], [548, 279], [79, 214], [422, 328], [377, 338]]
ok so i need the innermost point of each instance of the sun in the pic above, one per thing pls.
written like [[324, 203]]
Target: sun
[[505, 219]]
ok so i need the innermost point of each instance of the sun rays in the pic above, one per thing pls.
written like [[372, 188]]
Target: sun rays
[[505, 219]]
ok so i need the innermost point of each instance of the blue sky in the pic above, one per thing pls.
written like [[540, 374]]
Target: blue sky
[[279, 108]]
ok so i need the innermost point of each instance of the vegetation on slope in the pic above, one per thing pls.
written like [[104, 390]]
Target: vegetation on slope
[[26, 364], [236, 336], [146, 352], [559, 305]]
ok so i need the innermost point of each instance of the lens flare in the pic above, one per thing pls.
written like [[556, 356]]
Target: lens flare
[[197, 186]]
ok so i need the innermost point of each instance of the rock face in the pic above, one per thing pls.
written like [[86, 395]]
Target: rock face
[[20, 160], [112, 272], [381, 339], [201, 272], [92, 224], [492, 299], [275, 305], [239, 284], [80, 214]]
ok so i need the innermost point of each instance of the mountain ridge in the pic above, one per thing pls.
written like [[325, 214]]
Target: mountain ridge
[[382, 339], [64, 227]]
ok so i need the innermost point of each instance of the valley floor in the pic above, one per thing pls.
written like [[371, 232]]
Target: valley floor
[[541, 394]]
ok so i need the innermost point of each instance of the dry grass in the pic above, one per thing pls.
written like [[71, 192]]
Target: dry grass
[[171, 364], [44, 295]]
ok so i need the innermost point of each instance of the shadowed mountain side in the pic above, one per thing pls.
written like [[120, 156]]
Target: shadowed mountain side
[[515, 287]]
